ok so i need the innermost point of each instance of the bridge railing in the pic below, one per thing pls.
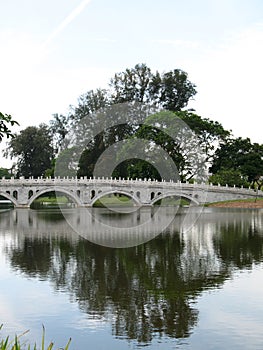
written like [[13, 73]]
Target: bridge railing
[[137, 182]]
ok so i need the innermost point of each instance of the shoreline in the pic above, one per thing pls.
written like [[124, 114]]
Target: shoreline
[[239, 204]]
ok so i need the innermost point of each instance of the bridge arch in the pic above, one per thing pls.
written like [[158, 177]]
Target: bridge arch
[[174, 194], [128, 194], [9, 197], [71, 195]]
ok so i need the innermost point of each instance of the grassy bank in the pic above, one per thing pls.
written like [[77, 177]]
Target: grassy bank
[[173, 202], [52, 200], [238, 203], [114, 201]]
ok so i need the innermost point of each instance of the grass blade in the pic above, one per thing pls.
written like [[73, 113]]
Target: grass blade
[[43, 339], [67, 346]]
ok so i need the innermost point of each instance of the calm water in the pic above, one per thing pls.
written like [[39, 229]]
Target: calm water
[[191, 287]]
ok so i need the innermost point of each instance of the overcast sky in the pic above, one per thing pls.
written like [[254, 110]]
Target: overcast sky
[[52, 51]]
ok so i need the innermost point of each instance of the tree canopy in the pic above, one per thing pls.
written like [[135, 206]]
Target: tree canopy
[[33, 149], [190, 148], [241, 155], [156, 106], [169, 90]]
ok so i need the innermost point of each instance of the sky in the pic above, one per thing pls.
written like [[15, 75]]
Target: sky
[[54, 51]]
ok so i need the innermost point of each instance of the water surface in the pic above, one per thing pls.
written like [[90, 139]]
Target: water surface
[[190, 287]]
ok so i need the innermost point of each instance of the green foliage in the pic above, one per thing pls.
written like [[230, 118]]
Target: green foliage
[[136, 168], [228, 177], [180, 134], [59, 129], [89, 103], [33, 149], [186, 138], [50, 172], [90, 156], [5, 122], [5, 173], [132, 85], [241, 155], [171, 90], [210, 133], [16, 344], [210, 144]]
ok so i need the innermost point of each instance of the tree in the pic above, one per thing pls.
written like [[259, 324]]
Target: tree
[[5, 122], [88, 103], [160, 91], [171, 90], [239, 154], [33, 149], [132, 85]]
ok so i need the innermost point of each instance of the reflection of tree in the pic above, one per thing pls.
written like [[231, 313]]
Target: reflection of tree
[[142, 286], [147, 290], [239, 246], [33, 257]]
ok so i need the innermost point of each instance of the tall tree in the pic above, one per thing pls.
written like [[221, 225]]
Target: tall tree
[[132, 85], [33, 149], [88, 103], [171, 90]]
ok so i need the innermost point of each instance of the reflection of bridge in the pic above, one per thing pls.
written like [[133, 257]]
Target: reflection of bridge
[[102, 227], [85, 192]]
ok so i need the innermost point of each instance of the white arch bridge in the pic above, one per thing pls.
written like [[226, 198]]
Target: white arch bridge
[[85, 192]]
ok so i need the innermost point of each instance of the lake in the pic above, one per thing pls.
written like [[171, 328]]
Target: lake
[[141, 279]]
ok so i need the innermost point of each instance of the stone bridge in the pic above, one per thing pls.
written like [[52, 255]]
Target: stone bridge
[[85, 192]]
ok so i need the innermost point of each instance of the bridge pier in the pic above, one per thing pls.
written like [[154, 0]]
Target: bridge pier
[[22, 206]]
